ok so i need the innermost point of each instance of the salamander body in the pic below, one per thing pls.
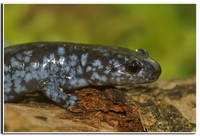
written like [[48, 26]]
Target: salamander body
[[56, 68]]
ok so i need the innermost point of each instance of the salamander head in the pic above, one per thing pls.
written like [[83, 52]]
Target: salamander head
[[135, 67]]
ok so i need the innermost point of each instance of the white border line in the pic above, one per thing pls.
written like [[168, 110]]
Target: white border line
[[132, 2]]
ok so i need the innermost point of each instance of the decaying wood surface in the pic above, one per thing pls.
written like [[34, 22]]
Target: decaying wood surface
[[167, 105], [163, 106]]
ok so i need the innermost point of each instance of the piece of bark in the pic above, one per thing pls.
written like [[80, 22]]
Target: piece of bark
[[106, 112], [164, 106]]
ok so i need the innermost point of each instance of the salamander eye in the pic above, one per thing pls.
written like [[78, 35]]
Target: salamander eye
[[133, 66], [142, 52]]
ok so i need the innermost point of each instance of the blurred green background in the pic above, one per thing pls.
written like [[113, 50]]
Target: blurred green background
[[167, 32]]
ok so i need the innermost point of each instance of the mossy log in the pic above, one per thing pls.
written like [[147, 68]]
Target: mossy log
[[163, 106]]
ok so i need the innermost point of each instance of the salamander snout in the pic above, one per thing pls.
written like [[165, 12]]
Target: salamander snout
[[156, 71], [141, 70], [152, 69]]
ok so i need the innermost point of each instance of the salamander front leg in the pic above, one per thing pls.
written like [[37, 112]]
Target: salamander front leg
[[53, 92]]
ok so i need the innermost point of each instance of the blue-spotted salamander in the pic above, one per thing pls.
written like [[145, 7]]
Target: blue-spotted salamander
[[56, 68]]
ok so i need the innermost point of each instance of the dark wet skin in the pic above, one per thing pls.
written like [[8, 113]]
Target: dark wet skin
[[55, 67]]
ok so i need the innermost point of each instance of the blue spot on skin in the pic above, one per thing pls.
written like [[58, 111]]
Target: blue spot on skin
[[45, 59], [73, 98], [108, 68], [52, 56], [72, 72], [98, 63], [141, 73], [88, 69], [66, 96], [7, 78], [73, 61], [17, 73], [84, 59], [28, 69], [14, 77], [103, 78], [94, 69], [34, 65], [72, 102], [26, 59], [35, 75], [63, 82], [52, 67], [17, 82], [19, 56], [7, 83], [28, 77], [106, 72], [111, 61], [114, 74], [82, 82], [61, 51], [61, 60], [116, 63], [95, 75], [54, 95], [6, 68], [79, 70], [73, 82], [73, 57], [28, 52], [65, 68], [15, 63]]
